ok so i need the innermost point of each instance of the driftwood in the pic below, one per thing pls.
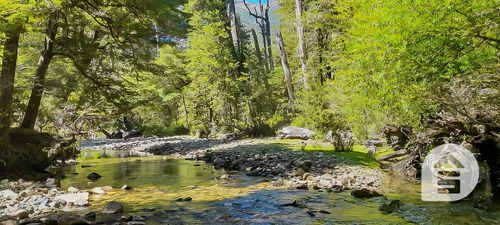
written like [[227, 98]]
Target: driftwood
[[395, 154], [481, 136]]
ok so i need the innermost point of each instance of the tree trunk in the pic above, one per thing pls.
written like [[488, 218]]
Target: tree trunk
[[257, 48], [43, 65], [264, 42], [231, 13], [284, 62], [9, 62], [268, 37], [302, 45]]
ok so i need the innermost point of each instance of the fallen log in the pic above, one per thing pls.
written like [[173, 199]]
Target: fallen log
[[395, 154]]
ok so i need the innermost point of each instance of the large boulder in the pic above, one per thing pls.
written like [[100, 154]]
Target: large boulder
[[112, 208], [292, 132]]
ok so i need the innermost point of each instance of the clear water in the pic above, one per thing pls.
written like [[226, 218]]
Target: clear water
[[157, 182]]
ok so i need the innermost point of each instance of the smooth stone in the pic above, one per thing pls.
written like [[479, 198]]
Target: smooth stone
[[134, 218], [93, 176], [9, 222], [364, 193], [10, 194], [21, 214], [72, 190], [112, 208], [71, 220], [135, 223], [78, 199], [98, 191], [30, 221], [106, 188], [90, 215], [50, 182]]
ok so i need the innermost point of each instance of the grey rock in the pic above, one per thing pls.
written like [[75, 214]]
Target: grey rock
[[98, 191], [72, 190], [50, 182], [364, 193], [134, 218], [90, 216], [30, 221], [77, 199], [394, 205], [71, 220], [9, 222], [21, 214], [10, 194], [94, 176], [112, 208]]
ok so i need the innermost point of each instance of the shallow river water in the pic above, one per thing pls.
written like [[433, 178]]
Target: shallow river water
[[158, 181]]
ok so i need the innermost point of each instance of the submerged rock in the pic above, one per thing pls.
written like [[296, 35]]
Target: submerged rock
[[394, 205], [112, 207], [71, 220], [93, 176], [365, 193], [98, 191]]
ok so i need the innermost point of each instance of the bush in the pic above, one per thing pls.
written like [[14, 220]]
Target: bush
[[343, 140]]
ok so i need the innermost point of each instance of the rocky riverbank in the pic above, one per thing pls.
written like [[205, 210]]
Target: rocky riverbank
[[24, 202], [283, 166]]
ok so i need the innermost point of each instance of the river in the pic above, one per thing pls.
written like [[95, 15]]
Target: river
[[157, 182]]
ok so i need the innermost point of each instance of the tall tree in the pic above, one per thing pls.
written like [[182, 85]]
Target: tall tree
[[43, 65], [14, 16], [284, 63], [9, 62], [302, 44], [231, 13]]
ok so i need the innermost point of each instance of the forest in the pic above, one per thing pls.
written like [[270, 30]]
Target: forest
[[351, 72]]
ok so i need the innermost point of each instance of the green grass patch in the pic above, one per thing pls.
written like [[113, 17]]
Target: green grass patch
[[359, 155]]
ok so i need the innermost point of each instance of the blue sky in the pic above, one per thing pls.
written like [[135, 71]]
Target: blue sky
[[255, 1]]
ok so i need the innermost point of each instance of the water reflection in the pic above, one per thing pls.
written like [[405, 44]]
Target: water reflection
[[98, 154]]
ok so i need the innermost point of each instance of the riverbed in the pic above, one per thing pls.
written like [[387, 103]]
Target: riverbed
[[158, 181]]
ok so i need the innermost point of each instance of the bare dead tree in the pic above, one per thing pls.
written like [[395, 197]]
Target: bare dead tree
[[261, 15], [284, 62], [302, 44]]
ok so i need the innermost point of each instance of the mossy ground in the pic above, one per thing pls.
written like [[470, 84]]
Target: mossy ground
[[359, 155]]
